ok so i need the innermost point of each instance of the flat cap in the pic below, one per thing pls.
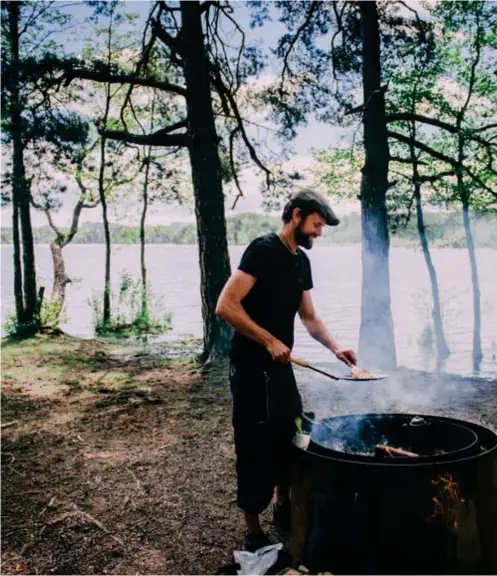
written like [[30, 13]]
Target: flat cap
[[312, 201]]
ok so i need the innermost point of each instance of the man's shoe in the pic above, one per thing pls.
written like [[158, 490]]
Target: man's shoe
[[252, 542], [282, 515]]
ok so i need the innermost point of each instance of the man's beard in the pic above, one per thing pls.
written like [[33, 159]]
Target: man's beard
[[303, 239]]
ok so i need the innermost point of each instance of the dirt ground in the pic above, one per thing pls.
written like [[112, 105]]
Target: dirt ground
[[114, 464], [119, 462]]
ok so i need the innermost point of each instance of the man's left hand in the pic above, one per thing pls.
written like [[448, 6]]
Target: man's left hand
[[346, 356]]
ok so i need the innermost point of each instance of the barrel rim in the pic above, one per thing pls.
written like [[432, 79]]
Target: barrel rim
[[451, 458]]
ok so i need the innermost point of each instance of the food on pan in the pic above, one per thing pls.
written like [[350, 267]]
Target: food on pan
[[360, 373]]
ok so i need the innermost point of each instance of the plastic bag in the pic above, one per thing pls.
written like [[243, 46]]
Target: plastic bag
[[259, 562]]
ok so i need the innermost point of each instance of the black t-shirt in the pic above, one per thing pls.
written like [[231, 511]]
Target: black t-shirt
[[275, 298]]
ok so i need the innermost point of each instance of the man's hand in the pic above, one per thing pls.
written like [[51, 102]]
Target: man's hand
[[346, 356], [279, 352]]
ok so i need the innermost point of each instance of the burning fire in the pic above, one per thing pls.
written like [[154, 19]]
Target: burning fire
[[447, 497]]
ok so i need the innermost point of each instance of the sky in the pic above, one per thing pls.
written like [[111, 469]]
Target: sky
[[315, 134]]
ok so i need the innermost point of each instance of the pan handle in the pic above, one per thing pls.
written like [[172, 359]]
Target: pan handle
[[307, 365], [300, 362]]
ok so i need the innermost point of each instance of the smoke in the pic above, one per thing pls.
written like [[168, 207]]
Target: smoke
[[403, 392], [377, 340], [351, 435]]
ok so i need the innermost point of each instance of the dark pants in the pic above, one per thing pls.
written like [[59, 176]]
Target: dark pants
[[265, 404]]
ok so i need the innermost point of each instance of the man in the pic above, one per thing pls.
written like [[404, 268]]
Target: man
[[260, 301]]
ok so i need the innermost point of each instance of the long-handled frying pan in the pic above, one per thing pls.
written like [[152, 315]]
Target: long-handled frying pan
[[333, 376]]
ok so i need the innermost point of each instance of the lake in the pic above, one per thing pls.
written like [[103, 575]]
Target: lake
[[174, 277]]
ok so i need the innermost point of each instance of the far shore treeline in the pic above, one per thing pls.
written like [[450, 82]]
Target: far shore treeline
[[444, 229]]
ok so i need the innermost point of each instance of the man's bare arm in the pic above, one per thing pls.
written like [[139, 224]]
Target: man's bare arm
[[230, 309]]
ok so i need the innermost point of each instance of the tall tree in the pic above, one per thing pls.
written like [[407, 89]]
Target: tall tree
[[109, 46], [50, 176], [111, 14], [377, 342], [456, 154], [30, 120], [326, 82], [311, 79], [193, 52], [160, 179], [443, 351], [412, 84], [475, 17], [25, 279]]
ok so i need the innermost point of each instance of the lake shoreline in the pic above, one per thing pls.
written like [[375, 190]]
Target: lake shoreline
[[174, 281]]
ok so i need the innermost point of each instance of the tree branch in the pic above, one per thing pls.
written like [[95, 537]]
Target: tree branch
[[472, 76], [415, 12], [123, 79], [226, 10], [75, 223], [442, 157], [174, 44], [421, 146], [403, 160], [222, 90], [436, 177], [160, 138], [453, 129], [413, 117], [301, 28], [483, 128], [53, 226], [207, 4], [338, 31], [233, 166], [480, 182], [36, 15], [143, 62], [90, 205]]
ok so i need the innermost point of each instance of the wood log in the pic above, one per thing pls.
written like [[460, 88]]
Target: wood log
[[382, 450]]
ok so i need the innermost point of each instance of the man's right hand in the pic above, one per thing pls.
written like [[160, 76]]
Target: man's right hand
[[279, 352]]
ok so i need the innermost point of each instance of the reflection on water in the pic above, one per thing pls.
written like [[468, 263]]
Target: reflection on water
[[173, 274]]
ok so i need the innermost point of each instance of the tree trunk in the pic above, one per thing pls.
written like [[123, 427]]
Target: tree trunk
[[28, 259], [144, 309], [477, 351], [20, 187], [60, 278], [207, 184], [443, 351], [377, 342], [17, 262], [105, 219]]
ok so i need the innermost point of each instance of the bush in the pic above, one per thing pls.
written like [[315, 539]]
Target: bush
[[131, 317], [50, 318]]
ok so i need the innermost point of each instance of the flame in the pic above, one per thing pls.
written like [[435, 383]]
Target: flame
[[448, 496]]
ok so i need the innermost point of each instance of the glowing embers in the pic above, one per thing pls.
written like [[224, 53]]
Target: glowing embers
[[447, 498]]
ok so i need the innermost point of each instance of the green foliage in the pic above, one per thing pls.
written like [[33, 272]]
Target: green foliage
[[337, 171], [453, 83], [50, 318], [132, 318], [51, 315], [13, 328], [320, 57]]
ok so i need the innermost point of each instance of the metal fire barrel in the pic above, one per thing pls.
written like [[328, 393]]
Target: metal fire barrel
[[356, 513]]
